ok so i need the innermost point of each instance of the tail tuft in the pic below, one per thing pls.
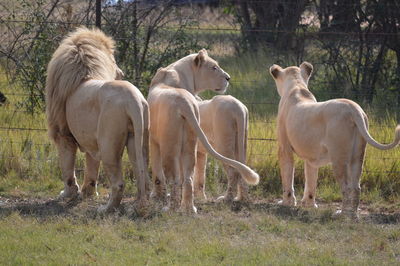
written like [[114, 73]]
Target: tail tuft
[[397, 134], [251, 177]]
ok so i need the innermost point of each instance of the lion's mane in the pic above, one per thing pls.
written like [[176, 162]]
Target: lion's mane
[[83, 55]]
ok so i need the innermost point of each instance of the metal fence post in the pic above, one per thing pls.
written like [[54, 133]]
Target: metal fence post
[[98, 14]]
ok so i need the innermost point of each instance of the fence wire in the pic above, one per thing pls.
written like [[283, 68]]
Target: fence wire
[[255, 141]]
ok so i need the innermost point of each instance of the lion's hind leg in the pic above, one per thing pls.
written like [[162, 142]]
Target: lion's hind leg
[[347, 153], [140, 171], [111, 146], [171, 168], [188, 162], [355, 171], [170, 152], [233, 178], [200, 175], [242, 190], [226, 145], [310, 187], [67, 148], [113, 170], [89, 187], [159, 192]]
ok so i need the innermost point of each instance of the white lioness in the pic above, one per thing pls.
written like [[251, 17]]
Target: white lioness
[[174, 126], [335, 131], [87, 108], [224, 120]]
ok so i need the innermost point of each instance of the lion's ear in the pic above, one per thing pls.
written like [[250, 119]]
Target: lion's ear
[[200, 58], [204, 51], [120, 74], [306, 70], [275, 71]]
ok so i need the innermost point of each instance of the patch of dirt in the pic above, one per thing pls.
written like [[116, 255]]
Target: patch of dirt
[[43, 208]]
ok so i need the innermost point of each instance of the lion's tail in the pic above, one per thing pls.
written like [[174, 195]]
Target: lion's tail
[[242, 128], [358, 117], [188, 112], [138, 113]]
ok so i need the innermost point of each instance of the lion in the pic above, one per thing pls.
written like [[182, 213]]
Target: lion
[[335, 131], [174, 126], [224, 120], [87, 107]]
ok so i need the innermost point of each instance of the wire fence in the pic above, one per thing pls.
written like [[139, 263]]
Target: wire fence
[[268, 144], [258, 143]]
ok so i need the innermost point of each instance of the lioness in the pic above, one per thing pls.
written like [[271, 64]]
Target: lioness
[[87, 108], [335, 131], [174, 125], [224, 120]]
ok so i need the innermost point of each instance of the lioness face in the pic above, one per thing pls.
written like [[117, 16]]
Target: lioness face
[[210, 76], [286, 78]]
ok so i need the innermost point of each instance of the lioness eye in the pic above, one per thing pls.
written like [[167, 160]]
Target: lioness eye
[[215, 67]]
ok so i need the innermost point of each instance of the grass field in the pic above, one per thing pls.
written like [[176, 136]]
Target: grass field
[[260, 233], [36, 229]]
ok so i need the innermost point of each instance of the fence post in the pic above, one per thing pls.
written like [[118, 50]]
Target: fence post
[[98, 14]]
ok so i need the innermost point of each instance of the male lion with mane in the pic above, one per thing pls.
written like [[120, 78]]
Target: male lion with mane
[[174, 126], [88, 108], [335, 131], [224, 120]]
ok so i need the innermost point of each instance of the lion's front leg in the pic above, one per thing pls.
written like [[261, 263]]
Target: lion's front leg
[[67, 148], [311, 175], [286, 164], [89, 187]]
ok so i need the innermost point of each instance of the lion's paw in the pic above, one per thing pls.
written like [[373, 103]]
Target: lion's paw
[[224, 199], [105, 209], [200, 195], [308, 204], [188, 209], [242, 199], [165, 209], [288, 202], [348, 215], [89, 192], [69, 194]]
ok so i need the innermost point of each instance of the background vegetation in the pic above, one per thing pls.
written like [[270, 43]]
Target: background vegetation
[[354, 47], [353, 51]]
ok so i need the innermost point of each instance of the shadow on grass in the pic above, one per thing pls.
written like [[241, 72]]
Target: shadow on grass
[[38, 208], [324, 214], [47, 208]]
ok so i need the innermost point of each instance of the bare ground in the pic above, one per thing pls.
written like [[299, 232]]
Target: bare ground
[[45, 208]]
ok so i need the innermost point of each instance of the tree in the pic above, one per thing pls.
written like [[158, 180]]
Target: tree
[[269, 22], [149, 35]]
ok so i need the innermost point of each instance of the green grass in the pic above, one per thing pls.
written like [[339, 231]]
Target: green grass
[[217, 236]]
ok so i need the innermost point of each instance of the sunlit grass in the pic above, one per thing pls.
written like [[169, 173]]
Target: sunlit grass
[[219, 237]]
